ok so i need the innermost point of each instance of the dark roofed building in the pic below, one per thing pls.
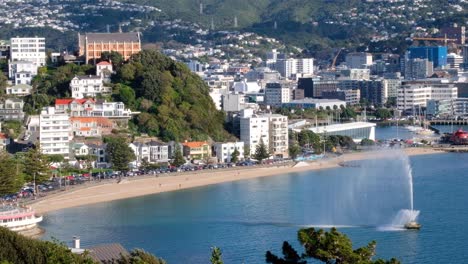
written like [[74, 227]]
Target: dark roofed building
[[93, 44], [107, 253]]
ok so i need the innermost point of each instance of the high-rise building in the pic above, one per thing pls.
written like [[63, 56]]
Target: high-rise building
[[418, 69], [276, 94], [289, 68], [454, 61], [436, 55], [28, 49], [313, 87], [54, 132], [272, 129], [92, 45]]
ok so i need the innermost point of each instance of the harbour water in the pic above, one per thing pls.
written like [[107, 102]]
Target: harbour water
[[247, 218]]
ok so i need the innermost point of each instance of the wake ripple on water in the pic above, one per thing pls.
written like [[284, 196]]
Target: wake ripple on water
[[403, 217]]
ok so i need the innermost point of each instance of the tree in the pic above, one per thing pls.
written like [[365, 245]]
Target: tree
[[294, 150], [328, 247], [367, 142], [139, 256], [126, 95], [179, 159], [290, 256], [120, 154], [383, 113], [10, 176], [36, 166], [261, 152], [216, 256], [246, 151], [114, 57], [3, 84], [235, 155]]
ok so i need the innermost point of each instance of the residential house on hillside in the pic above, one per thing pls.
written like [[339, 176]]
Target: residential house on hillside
[[88, 86], [89, 107], [4, 141], [19, 90], [91, 126], [105, 70], [197, 150], [12, 109]]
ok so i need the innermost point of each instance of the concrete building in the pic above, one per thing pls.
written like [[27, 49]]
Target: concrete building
[[359, 60], [290, 68], [277, 94], [11, 109], [54, 132], [414, 95], [356, 130], [88, 86], [416, 69], [314, 103], [92, 45], [270, 128], [223, 151], [374, 91], [16, 67], [28, 49]]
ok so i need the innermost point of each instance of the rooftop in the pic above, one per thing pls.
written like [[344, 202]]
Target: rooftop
[[195, 144], [315, 101], [107, 253], [112, 37]]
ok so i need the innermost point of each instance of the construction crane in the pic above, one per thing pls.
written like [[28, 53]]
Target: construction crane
[[332, 67], [444, 39]]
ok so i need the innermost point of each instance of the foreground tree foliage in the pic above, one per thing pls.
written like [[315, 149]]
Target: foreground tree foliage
[[120, 154], [216, 256], [139, 256], [175, 103], [329, 247]]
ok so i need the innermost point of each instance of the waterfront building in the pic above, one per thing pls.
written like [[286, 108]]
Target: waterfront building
[[315, 103], [276, 94], [159, 152], [437, 55], [88, 86], [356, 130], [92, 45], [223, 151], [414, 95], [272, 129], [28, 49], [54, 132], [142, 152], [196, 150], [358, 60], [448, 108]]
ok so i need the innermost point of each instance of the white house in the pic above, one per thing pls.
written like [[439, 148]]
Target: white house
[[223, 151], [15, 67], [54, 132], [105, 70], [159, 152], [142, 152], [19, 90], [88, 86]]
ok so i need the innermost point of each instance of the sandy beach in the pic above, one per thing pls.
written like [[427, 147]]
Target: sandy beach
[[150, 185]]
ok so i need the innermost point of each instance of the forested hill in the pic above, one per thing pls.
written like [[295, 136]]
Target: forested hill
[[175, 103]]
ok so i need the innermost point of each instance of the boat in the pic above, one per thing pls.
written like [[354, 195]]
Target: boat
[[413, 225], [18, 218], [460, 137]]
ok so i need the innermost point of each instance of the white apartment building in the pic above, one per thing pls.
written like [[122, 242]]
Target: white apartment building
[[272, 129], [289, 68], [159, 152], [223, 151], [358, 60], [414, 95], [88, 86], [54, 132], [276, 94], [28, 49]]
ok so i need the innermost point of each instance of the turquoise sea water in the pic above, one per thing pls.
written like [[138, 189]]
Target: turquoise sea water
[[247, 218]]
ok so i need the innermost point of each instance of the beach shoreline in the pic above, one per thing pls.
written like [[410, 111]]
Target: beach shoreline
[[136, 187]]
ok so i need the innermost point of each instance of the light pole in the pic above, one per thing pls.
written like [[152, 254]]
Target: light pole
[[34, 184]]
